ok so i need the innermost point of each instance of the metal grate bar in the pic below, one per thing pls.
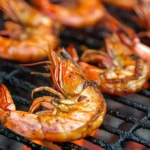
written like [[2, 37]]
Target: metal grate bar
[[127, 102], [98, 142], [17, 82], [125, 135], [21, 100], [130, 119], [82, 38], [145, 93], [18, 138], [21, 139], [68, 146]]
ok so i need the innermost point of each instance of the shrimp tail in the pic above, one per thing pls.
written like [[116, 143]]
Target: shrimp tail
[[6, 101], [18, 121]]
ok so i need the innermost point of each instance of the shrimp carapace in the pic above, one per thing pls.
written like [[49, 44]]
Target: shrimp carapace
[[76, 110]]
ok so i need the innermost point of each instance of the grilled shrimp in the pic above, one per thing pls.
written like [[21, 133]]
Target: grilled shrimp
[[80, 15], [120, 72], [77, 109], [141, 8], [69, 17], [135, 45], [29, 31], [127, 36]]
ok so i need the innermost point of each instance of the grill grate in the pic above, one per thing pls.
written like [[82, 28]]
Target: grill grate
[[20, 83], [13, 78]]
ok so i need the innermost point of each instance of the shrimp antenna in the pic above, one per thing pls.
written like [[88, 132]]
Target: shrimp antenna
[[50, 57], [37, 63], [46, 75], [41, 62]]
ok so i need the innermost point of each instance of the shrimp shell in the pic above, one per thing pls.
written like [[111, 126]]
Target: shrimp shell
[[74, 113]]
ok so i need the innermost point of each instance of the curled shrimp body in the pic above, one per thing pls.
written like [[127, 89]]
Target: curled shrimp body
[[80, 15], [29, 31], [120, 72], [77, 109]]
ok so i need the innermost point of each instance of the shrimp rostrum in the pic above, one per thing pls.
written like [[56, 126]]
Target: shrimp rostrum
[[77, 109], [118, 70], [28, 32]]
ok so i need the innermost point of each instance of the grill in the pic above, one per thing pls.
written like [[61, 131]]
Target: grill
[[127, 118]]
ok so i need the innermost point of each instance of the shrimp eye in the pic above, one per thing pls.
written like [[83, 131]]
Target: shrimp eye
[[64, 55], [134, 57], [82, 98], [122, 31]]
